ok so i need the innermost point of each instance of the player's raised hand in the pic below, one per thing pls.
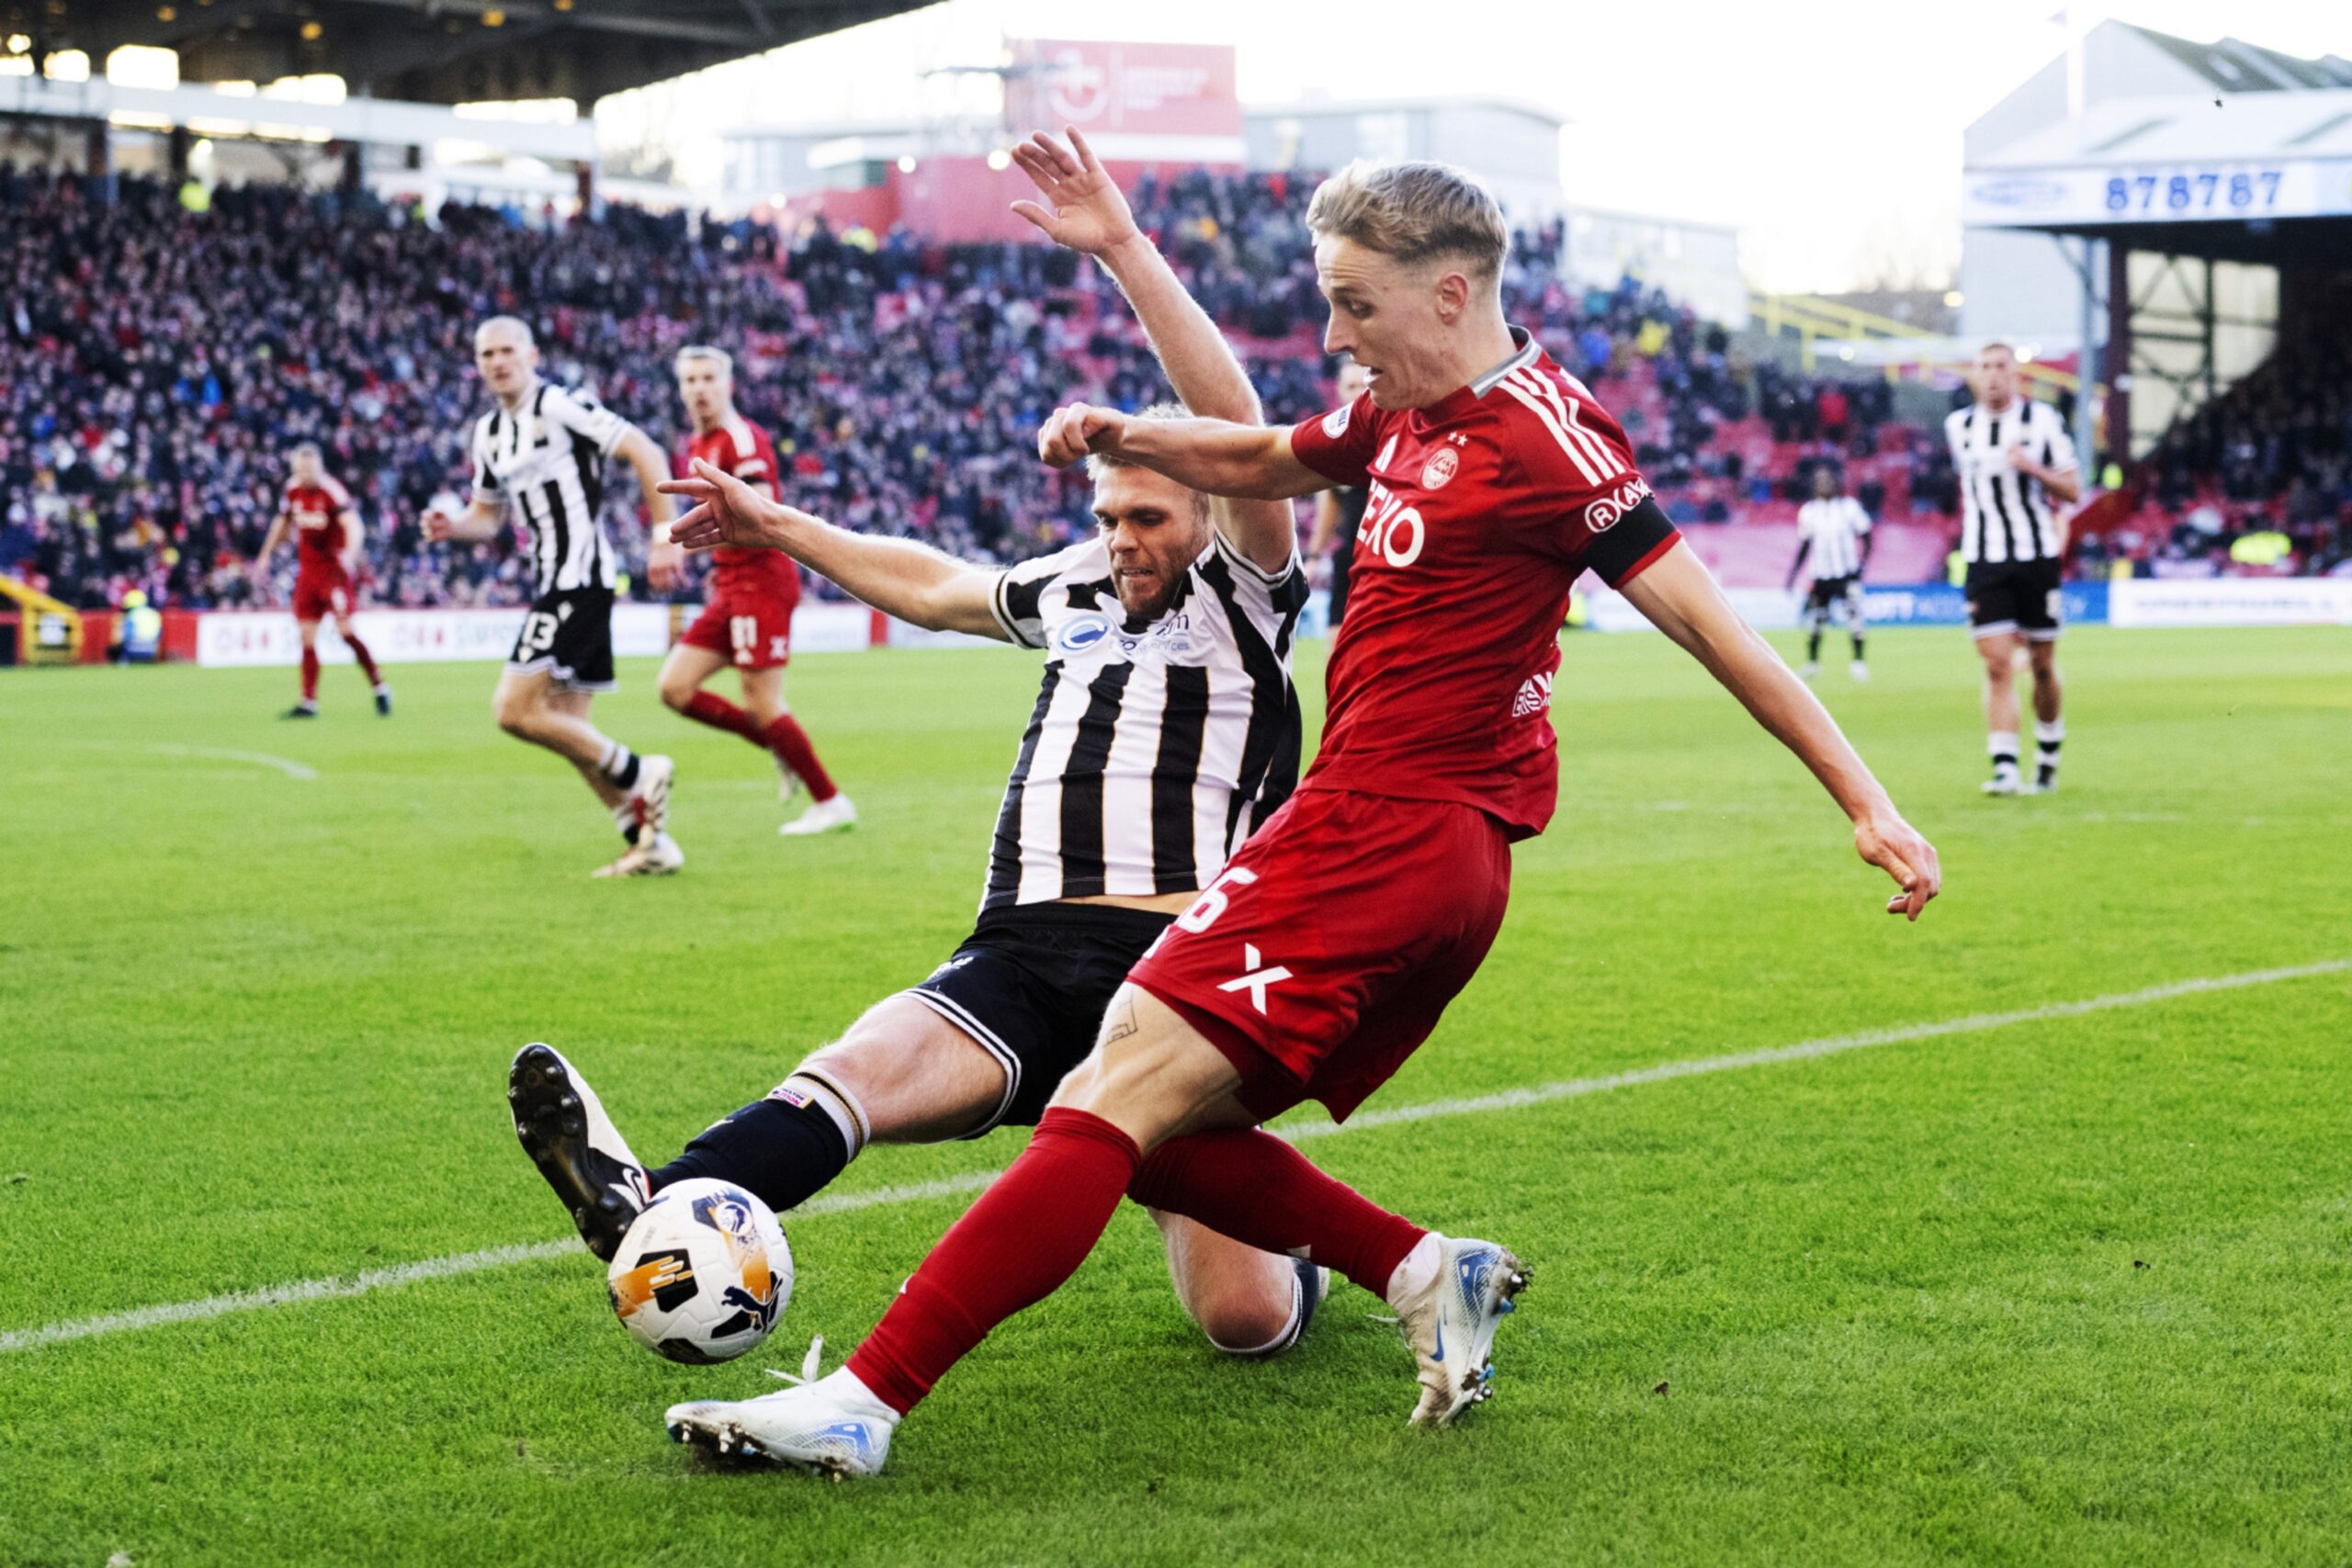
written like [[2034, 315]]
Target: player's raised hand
[[726, 511], [1084, 208], [1896, 847], [436, 525], [1074, 430]]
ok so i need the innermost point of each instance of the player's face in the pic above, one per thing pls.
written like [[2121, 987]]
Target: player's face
[[706, 389], [1996, 377], [1825, 483], [1156, 528], [505, 359], [1353, 381], [1386, 316], [306, 469]]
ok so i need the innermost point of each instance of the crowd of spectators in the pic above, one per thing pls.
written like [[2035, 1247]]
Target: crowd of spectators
[[157, 365]]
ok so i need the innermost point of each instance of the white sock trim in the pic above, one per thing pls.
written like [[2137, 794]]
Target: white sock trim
[[1418, 1270], [2054, 730], [2002, 743], [837, 1102]]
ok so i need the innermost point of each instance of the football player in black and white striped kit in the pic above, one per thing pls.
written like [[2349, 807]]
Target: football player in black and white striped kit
[[1834, 533], [540, 453], [2013, 457], [1165, 728]]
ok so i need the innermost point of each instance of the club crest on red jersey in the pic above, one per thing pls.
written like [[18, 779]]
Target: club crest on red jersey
[[1444, 464]]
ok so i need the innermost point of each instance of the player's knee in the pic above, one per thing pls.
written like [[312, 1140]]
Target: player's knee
[[1249, 1322], [517, 718], [677, 692]]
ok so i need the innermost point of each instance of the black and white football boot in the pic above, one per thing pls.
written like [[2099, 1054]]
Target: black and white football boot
[[565, 1131]]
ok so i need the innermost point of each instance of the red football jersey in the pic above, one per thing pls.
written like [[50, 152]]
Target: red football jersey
[[315, 512], [1482, 511], [737, 447]]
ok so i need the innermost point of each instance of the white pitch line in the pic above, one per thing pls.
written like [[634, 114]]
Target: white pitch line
[[287, 765], [845, 1203]]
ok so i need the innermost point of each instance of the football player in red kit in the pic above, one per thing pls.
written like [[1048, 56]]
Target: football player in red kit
[[748, 623], [1324, 952], [318, 511]]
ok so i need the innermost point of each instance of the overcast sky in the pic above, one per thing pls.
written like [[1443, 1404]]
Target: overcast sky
[[1829, 133]]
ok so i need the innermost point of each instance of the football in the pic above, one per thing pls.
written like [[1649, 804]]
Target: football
[[703, 1274]]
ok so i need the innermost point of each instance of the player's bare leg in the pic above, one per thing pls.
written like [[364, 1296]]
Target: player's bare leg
[[1999, 651], [376, 682], [1155, 1110], [2050, 720], [1252, 1305], [635, 789], [764, 720], [308, 708]]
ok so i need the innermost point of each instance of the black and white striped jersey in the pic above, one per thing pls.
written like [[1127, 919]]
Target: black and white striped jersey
[[1156, 747], [546, 459], [1834, 530], [2007, 516]]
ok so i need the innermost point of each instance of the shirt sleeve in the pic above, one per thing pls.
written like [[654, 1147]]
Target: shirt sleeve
[[757, 467], [1339, 446], [1861, 515], [1591, 508], [1018, 598], [2058, 446], [583, 417]]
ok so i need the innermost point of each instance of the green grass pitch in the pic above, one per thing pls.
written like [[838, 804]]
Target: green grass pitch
[[2076, 1289]]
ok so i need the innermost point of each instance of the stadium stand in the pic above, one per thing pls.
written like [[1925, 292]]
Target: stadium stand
[[156, 365]]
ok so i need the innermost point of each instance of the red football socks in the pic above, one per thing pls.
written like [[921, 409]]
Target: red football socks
[[1257, 1189], [310, 674], [1028, 1233], [366, 663], [710, 708], [790, 744]]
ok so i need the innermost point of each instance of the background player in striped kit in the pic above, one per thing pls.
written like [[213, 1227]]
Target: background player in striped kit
[[748, 621], [2012, 456], [318, 511], [542, 450], [1339, 513], [1834, 532], [1165, 729]]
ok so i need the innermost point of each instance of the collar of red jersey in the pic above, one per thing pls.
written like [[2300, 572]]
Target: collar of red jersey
[[1525, 352]]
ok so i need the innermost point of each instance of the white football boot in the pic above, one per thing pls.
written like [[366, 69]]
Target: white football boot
[[563, 1128], [824, 816], [1858, 670], [2005, 781], [660, 858], [834, 1426], [1450, 1324]]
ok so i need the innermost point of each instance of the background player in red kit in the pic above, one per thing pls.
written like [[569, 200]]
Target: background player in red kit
[[1324, 952], [325, 526], [748, 623]]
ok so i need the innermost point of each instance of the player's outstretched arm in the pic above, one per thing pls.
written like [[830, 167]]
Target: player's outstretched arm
[[355, 539], [1085, 211], [1210, 455], [1805, 548], [898, 576], [644, 458], [1682, 599], [478, 523]]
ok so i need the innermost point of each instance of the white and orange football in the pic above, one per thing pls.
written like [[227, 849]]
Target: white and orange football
[[703, 1274]]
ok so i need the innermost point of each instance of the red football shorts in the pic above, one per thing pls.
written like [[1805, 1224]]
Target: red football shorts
[[1323, 955], [318, 595], [752, 631]]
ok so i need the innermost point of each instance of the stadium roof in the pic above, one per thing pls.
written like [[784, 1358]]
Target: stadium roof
[[2263, 176], [444, 50]]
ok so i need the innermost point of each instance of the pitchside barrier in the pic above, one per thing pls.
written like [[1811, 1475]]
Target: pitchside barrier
[[248, 638]]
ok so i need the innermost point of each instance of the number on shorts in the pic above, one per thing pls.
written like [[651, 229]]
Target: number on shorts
[[538, 635], [743, 631], [1212, 901]]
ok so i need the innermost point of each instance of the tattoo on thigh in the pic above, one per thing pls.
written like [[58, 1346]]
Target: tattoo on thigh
[[1120, 1021]]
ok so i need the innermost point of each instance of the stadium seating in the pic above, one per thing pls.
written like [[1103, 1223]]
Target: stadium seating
[[157, 364]]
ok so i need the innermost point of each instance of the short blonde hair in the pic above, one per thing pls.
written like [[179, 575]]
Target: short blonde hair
[[720, 356], [1415, 213]]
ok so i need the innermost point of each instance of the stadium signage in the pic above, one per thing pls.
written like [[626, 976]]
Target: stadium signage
[[2157, 193]]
